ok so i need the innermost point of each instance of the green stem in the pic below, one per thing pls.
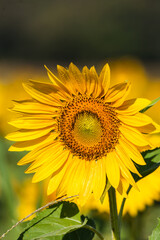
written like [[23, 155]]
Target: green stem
[[94, 230], [113, 214], [122, 205]]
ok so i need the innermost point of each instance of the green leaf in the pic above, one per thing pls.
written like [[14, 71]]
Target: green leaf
[[82, 233], [54, 223], [69, 210], [154, 155], [150, 105], [156, 159], [152, 159], [156, 232], [150, 154]]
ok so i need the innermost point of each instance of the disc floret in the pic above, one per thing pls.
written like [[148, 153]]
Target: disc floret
[[89, 127]]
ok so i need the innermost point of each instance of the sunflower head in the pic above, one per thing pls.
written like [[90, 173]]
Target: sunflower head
[[86, 127], [81, 133]]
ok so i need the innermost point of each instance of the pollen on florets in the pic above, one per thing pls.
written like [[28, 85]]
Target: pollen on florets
[[89, 127]]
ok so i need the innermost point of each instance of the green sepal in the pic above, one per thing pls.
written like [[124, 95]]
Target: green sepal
[[150, 105]]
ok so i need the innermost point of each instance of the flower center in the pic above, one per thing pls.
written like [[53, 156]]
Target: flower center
[[89, 127]]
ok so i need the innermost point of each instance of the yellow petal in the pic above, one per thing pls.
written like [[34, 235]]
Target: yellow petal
[[25, 135], [150, 128], [47, 169], [144, 148], [116, 92], [76, 177], [45, 156], [44, 87], [87, 183], [121, 100], [154, 139], [41, 97], [137, 120], [31, 156], [32, 144], [133, 135], [65, 78], [126, 159], [99, 179], [125, 172], [132, 106], [132, 151], [63, 74], [56, 81], [98, 85], [157, 127], [29, 106], [33, 122], [104, 78], [56, 179], [89, 81], [63, 186], [78, 78], [112, 169], [122, 189]]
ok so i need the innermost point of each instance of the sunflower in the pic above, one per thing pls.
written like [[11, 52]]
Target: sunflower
[[81, 133]]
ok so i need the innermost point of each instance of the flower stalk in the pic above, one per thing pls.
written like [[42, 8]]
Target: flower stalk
[[115, 226]]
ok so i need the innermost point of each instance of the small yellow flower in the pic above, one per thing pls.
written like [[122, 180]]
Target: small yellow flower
[[81, 132]]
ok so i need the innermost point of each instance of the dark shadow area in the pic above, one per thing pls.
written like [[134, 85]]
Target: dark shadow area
[[79, 30]]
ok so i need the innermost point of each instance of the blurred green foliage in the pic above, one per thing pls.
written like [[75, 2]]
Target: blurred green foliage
[[9, 173]]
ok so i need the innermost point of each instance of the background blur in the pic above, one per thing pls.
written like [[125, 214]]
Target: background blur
[[70, 30], [36, 32]]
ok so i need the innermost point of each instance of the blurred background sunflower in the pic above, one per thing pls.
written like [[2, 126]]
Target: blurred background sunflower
[[33, 33]]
